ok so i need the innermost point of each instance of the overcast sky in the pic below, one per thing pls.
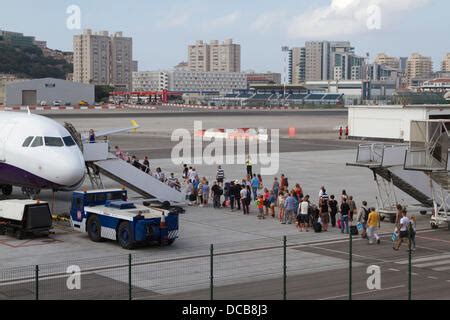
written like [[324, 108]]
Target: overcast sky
[[162, 30]]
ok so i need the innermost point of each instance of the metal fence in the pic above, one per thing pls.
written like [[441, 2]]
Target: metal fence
[[262, 269]]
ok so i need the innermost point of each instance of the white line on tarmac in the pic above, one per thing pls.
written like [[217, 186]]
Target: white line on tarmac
[[354, 255], [441, 269], [432, 264], [425, 259], [395, 270], [414, 274], [433, 278], [365, 292]]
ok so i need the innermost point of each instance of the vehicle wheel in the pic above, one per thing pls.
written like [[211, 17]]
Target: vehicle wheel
[[170, 242], [19, 235], [2, 231], [125, 236], [434, 226], [382, 218], [7, 190], [423, 212], [166, 205], [94, 229]]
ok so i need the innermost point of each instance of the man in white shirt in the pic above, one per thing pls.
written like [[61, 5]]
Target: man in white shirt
[[404, 231], [244, 195], [302, 216]]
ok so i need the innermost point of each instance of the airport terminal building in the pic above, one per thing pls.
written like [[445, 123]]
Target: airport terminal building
[[33, 92]]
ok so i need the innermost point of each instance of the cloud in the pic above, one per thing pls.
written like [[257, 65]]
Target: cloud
[[269, 21], [174, 18], [349, 17], [224, 21]]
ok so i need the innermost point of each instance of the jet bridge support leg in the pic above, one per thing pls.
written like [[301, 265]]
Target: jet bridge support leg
[[94, 176], [440, 208], [386, 199]]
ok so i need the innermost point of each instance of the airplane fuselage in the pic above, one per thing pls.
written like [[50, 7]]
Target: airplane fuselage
[[38, 153]]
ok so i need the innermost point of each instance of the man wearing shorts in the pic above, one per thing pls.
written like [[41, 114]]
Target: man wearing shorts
[[302, 216]]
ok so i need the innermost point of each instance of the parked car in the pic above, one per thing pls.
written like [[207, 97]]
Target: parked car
[[57, 103], [43, 104], [68, 104], [83, 103]]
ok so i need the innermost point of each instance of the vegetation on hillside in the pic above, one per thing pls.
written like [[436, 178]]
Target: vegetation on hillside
[[30, 62]]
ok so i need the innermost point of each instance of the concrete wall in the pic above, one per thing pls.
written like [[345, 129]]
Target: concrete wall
[[387, 122], [50, 90]]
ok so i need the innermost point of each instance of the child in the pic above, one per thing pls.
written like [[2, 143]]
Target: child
[[260, 205]]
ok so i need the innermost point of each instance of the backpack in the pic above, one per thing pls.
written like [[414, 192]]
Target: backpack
[[286, 182], [366, 214]]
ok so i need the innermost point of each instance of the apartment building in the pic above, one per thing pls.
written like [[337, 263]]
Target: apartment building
[[103, 59], [214, 56], [419, 67]]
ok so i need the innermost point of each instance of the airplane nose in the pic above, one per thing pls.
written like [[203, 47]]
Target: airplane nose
[[71, 172]]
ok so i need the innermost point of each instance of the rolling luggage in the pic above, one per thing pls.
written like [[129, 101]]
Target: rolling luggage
[[354, 230], [317, 227]]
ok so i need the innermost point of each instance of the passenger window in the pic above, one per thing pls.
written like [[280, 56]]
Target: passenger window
[[27, 142], [38, 142], [69, 141], [53, 142]]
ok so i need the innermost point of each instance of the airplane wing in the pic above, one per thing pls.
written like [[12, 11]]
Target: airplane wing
[[100, 134]]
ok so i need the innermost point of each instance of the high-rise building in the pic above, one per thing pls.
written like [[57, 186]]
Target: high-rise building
[[297, 65], [103, 59], [135, 66], [446, 63], [419, 67], [215, 56], [317, 60], [391, 62], [403, 64], [332, 60]]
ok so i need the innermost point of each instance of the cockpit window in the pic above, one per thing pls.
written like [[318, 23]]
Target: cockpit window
[[69, 141], [27, 142], [53, 142], [37, 142]]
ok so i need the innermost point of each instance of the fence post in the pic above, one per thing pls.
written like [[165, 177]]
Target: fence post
[[211, 287], [350, 274], [36, 279], [409, 267], [285, 268], [130, 287]]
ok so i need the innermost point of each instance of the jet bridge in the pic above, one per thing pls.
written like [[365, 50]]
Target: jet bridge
[[419, 169], [100, 161]]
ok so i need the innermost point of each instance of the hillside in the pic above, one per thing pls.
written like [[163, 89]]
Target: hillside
[[31, 63]]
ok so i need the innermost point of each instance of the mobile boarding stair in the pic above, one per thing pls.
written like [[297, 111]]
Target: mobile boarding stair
[[419, 169], [100, 161]]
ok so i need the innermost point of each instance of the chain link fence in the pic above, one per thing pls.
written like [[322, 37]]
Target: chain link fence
[[262, 269]]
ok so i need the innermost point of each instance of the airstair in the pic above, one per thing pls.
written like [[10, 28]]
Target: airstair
[[100, 161], [419, 169]]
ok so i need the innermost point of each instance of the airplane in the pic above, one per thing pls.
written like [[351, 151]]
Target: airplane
[[38, 153]]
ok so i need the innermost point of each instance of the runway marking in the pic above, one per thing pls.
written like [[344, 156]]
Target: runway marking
[[432, 264], [395, 270], [441, 269], [354, 255], [432, 278], [414, 274], [433, 239], [431, 258], [364, 292]]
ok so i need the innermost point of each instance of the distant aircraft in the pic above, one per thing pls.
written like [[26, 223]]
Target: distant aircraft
[[38, 153]]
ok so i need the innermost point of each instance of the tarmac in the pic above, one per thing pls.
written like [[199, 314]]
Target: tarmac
[[249, 265]]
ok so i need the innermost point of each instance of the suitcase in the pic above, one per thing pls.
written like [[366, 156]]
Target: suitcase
[[317, 227], [354, 230]]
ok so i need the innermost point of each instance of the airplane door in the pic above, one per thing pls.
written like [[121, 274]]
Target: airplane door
[[5, 130]]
